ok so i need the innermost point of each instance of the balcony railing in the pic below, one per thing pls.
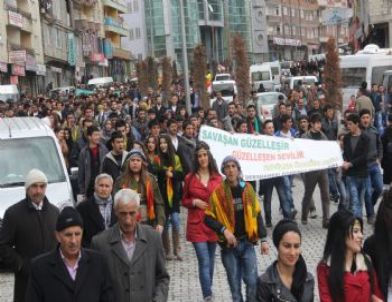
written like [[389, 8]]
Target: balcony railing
[[16, 46], [18, 10], [115, 25], [19, 21], [121, 53], [116, 4]]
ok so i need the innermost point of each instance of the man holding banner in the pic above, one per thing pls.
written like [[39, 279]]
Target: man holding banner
[[234, 214], [318, 177]]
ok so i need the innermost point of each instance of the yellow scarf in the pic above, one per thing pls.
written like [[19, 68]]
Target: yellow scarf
[[221, 209]]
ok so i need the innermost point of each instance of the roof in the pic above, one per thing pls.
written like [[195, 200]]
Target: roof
[[18, 127]]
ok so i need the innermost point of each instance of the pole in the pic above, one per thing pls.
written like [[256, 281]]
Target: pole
[[185, 59]]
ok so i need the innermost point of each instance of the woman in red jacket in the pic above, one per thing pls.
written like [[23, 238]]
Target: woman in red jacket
[[197, 190], [346, 274]]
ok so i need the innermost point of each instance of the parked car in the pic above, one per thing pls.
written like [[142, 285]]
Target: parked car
[[266, 102]]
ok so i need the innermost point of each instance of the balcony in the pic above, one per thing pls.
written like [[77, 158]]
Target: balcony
[[120, 53], [115, 26], [16, 47], [273, 19], [85, 3], [116, 4], [20, 21], [87, 25]]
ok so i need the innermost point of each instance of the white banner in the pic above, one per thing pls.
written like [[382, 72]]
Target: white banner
[[264, 156]]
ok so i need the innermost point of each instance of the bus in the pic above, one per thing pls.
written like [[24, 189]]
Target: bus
[[368, 65], [268, 74]]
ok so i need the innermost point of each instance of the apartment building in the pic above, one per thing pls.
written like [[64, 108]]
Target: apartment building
[[21, 55]]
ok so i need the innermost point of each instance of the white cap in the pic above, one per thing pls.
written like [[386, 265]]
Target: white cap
[[35, 176]]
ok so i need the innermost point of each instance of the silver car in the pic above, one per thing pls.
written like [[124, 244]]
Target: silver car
[[266, 103]]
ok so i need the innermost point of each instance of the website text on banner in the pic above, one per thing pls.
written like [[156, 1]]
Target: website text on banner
[[264, 156]]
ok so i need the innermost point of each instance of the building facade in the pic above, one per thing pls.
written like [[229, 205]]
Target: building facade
[[136, 41], [21, 54]]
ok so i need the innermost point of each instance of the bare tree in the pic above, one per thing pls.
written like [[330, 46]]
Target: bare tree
[[241, 68], [152, 72], [141, 70], [199, 73], [333, 75], [167, 74], [175, 71]]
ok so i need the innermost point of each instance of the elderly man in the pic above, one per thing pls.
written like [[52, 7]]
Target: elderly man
[[28, 230], [234, 214], [135, 254], [97, 212], [70, 273]]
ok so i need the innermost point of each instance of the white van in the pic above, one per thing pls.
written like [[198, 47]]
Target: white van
[[367, 65], [100, 82], [9, 92], [267, 74], [227, 88], [27, 143], [307, 81]]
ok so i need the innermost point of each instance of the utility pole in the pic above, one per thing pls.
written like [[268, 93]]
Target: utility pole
[[185, 59]]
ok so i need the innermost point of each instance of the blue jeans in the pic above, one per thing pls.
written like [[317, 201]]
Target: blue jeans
[[378, 122], [333, 187], [375, 184], [240, 263], [205, 252], [288, 183], [267, 188], [356, 187], [174, 220]]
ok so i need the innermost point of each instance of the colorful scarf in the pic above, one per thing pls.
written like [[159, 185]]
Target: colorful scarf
[[149, 194], [221, 209], [169, 188]]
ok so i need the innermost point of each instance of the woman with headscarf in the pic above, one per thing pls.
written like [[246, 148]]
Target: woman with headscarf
[[287, 279]]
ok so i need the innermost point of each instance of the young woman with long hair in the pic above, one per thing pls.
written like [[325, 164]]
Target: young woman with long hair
[[151, 152], [170, 175], [287, 279], [346, 274], [198, 187], [379, 245]]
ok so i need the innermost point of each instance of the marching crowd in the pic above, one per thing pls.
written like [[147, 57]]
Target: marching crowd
[[139, 161]]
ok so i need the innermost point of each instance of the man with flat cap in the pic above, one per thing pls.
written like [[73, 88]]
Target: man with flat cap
[[28, 231], [70, 273]]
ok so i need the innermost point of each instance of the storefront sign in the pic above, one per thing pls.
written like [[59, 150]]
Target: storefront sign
[[264, 156], [17, 56], [337, 15], [286, 42], [108, 48], [41, 70], [18, 70], [56, 69], [31, 63], [97, 57], [14, 80], [3, 67], [15, 19], [71, 49]]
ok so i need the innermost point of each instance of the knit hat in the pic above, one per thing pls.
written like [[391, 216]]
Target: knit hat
[[136, 152], [68, 217], [35, 176], [228, 159], [284, 226]]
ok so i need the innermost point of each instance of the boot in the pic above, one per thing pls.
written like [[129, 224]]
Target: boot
[[166, 244], [176, 244]]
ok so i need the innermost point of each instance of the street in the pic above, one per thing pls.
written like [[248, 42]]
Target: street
[[184, 283]]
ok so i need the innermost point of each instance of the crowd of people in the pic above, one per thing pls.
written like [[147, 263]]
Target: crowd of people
[[140, 161]]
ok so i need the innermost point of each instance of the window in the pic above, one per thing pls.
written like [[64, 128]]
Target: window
[[293, 12], [277, 11], [352, 76], [130, 7], [294, 30], [136, 6], [140, 56], [131, 37], [377, 73], [285, 11], [278, 29], [302, 13], [137, 32]]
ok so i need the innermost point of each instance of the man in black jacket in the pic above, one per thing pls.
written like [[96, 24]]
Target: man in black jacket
[[97, 212], [355, 155], [70, 273], [114, 160], [27, 231]]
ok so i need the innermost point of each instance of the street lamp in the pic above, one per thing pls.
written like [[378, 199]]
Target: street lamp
[[185, 59]]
